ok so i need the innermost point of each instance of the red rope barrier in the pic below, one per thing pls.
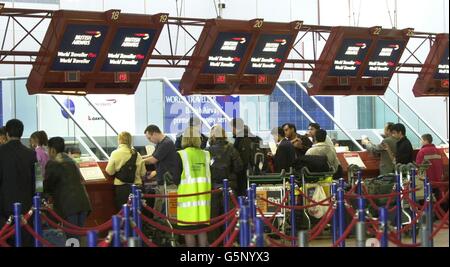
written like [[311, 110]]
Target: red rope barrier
[[37, 236], [181, 232], [322, 227], [182, 195], [225, 233], [274, 243], [346, 232], [165, 217], [234, 200], [440, 226], [147, 241], [64, 229], [8, 235], [273, 228], [104, 244], [323, 220], [100, 228], [232, 238]]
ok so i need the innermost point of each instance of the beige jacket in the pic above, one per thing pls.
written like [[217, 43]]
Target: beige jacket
[[324, 149], [118, 158]]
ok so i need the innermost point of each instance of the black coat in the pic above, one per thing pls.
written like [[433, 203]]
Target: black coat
[[63, 183], [285, 156], [226, 163], [17, 177], [404, 154]]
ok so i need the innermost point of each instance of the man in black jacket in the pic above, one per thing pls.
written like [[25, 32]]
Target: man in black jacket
[[63, 183], [301, 143], [285, 154], [404, 153], [17, 176]]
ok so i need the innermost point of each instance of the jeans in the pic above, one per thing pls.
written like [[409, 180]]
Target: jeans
[[77, 219]]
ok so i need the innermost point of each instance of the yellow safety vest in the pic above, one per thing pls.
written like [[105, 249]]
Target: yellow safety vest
[[195, 178]]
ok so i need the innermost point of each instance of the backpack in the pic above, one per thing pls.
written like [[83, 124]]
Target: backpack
[[252, 155], [127, 172]]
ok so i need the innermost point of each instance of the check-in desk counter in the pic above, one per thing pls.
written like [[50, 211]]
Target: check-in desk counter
[[372, 162]]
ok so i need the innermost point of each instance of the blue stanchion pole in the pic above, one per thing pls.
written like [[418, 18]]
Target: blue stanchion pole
[[359, 187], [139, 208], [226, 204], [430, 213], [92, 239], [134, 212], [335, 223], [243, 222], [116, 231], [383, 220], [253, 201], [341, 210], [398, 209], [126, 225], [361, 209], [37, 219], [292, 203], [259, 233], [413, 213], [17, 220]]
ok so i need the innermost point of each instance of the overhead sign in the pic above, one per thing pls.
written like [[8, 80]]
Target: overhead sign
[[86, 52], [350, 57], [269, 54], [227, 54], [79, 48], [129, 49], [384, 59], [358, 61], [433, 78]]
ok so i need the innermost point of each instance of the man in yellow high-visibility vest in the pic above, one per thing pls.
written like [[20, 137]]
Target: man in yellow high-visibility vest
[[195, 178]]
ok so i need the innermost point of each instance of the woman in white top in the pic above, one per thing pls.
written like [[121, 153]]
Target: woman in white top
[[119, 158]]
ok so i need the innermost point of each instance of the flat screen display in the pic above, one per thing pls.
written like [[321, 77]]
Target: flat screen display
[[128, 49], [79, 48], [269, 54], [384, 59], [442, 68], [349, 58], [227, 53]]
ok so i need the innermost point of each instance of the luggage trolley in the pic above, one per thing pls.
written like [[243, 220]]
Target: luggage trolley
[[305, 175], [271, 186]]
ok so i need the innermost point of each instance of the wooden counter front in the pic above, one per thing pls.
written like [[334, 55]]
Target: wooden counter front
[[101, 194]]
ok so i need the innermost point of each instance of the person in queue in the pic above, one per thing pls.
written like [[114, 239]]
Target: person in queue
[[17, 176], [321, 148], [117, 161], [312, 130], [242, 140], [435, 173], [165, 159], [193, 176], [39, 142], [285, 154], [225, 164], [404, 149], [63, 182], [300, 142], [3, 138], [386, 149], [193, 122]]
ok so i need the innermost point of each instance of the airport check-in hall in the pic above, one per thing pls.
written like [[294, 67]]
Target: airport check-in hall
[[224, 123]]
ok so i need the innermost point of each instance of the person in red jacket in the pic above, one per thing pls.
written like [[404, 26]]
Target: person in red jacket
[[430, 153]]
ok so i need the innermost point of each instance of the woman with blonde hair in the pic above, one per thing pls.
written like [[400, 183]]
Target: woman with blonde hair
[[195, 178], [127, 167]]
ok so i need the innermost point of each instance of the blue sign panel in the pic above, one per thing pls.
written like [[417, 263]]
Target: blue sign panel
[[79, 48], [177, 113], [129, 49]]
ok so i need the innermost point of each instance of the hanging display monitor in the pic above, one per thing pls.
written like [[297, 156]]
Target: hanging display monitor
[[227, 53], [358, 61], [434, 76], [129, 49], [79, 48], [350, 57], [94, 52], [384, 59]]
